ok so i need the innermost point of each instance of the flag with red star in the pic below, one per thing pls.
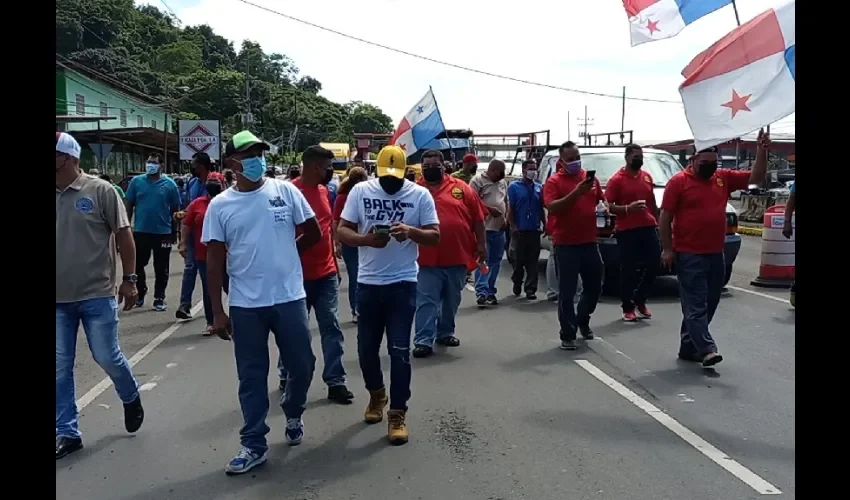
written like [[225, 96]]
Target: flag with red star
[[652, 20], [743, 82]]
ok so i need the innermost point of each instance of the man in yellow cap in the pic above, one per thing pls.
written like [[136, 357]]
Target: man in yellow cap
[[387, 218]]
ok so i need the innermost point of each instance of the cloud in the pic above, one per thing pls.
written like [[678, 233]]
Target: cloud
[[576, 44]]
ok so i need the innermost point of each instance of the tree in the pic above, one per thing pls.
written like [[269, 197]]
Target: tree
[[309, 84], [366, 118]]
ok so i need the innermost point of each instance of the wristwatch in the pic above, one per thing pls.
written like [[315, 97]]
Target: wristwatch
[[131, 278]]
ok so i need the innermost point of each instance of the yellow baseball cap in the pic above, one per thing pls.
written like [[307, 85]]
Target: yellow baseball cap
[[392, 161]]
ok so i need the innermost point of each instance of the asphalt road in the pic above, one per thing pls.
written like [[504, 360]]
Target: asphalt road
[[504, 416]]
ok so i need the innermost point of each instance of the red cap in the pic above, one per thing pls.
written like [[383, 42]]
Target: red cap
[[470, 158], [217, 176]]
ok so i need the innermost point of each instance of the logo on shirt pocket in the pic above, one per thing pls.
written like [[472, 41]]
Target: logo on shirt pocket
[[84, 205], [720, 182], [280, 217], [647, 179], [457, 193]]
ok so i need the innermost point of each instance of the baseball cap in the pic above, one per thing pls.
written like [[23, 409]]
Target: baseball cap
[[67, 144], [391, 161], [245, 139], [470, 158], [216, 176]]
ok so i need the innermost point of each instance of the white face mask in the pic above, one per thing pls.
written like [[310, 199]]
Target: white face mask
[[531, 174]]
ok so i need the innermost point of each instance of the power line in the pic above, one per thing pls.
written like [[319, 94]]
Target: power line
[[452, 65]]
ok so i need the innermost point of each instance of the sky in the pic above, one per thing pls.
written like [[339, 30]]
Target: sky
[[577, 44]]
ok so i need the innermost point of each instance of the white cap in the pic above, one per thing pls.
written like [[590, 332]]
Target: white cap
[[67, 144]]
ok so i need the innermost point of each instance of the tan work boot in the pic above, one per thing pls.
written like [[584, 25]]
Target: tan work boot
[[396, 428], [377, 402]]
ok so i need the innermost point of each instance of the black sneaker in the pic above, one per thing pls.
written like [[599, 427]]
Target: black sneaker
[[517, 289], [422, 351], [184, 312], [586, 332], [568, 345], [692, 357], [159, 305], [282, 386], [492, 300], [65, 446], [340, 394], [481, 301], [140, 300], [450, 341], [531, 296], [134, 415]]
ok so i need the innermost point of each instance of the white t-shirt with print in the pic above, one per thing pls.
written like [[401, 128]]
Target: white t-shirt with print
[[258, 228], [368, 205]]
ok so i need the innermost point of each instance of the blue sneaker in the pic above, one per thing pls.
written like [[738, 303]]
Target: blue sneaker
[[294, 430], [244, 461], [159, 305], [140, 301]]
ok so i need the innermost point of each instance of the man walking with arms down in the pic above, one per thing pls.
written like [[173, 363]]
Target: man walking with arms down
[[571, 196], [254, 226], [493, 191], [89, 214], [693, 231], [525, 197], [321, 278], [442, 269], [631, 198], [388, 218]]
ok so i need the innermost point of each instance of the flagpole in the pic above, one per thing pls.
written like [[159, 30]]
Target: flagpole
[[735, 8], [445, 131]]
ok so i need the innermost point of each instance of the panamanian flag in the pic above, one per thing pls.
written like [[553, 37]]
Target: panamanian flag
[[652, 20], [419, 126]]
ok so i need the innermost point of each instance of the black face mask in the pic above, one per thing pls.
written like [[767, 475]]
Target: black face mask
[[707, 169], [213, 189], [637, 162], [432, 174], [193, 171], [390, 184], [411, 177], [500, 177], [329, 175]]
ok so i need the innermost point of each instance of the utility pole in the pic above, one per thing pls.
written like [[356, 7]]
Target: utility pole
[[569, 136], [165, 142], [247, 119], [623, 118]]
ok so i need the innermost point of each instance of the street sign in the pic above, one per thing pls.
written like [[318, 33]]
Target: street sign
[[101, 151], [199, 136]]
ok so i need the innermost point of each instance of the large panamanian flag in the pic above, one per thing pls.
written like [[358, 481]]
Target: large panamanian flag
[[652, 20], [744, 81], [419, 126]]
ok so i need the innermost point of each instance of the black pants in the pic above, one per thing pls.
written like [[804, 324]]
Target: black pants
[[574, 261], [160, 246], [640, 256], [526, 260]]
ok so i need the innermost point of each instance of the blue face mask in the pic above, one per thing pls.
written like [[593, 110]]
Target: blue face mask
[[253, 168], [573, 167], [152, 168]]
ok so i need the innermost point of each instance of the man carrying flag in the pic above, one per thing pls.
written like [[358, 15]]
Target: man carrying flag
[[419, 126]]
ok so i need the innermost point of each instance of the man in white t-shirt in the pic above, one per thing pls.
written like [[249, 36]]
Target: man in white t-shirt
[[388, 218], [254, 225]]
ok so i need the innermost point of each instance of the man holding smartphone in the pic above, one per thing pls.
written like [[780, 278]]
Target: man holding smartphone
[[631, 198], [571, 196], [388, 218]]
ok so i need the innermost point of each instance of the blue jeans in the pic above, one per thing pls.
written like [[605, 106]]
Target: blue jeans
[[251, 326], [351, 257], [701, 278], [574, 263], [438, 295], [485, 284], [201, 266], [100, 324], [190, 273], [323, 297], [386, 308]]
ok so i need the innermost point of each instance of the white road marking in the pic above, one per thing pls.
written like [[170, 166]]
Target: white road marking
[[147, 387], [106, 383], [759, 294], [470, 288], [171, 365], [723, 460]]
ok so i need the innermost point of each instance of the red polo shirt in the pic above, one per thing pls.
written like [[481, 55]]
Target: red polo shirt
[[339, 204], [625, 187], [699, 208], [318, 261], [194, 219], [576, 226], [458, 209]]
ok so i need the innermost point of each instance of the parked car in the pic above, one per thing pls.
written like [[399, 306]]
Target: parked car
[[662, 166]]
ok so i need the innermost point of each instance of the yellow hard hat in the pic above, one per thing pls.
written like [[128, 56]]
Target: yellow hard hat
[[392, 161]]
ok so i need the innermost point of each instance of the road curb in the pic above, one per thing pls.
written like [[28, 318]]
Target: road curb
[[750, 231]]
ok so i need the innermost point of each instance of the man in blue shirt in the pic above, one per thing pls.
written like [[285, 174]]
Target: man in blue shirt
[[525, 214], [197, 187], [154, 199]]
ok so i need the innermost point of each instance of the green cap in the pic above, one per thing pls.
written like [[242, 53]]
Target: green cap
[[245, 139]]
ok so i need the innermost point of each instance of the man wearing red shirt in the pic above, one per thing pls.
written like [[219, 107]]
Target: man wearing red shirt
[[442, 269], [631, 198], [693, 231], [571, 197], [321, 279]]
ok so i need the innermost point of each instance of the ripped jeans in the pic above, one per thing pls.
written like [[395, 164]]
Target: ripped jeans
[[386, 308]]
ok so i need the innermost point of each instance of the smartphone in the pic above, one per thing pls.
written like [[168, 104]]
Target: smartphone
[[591, 174], [381, 229]]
